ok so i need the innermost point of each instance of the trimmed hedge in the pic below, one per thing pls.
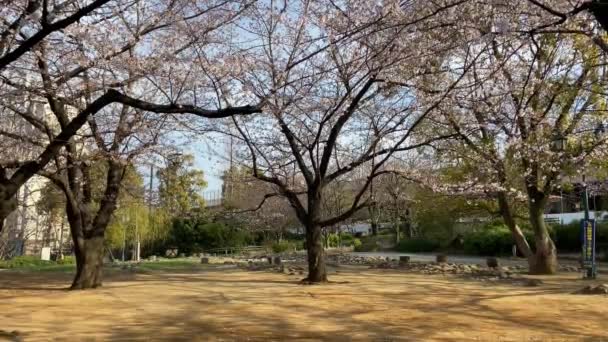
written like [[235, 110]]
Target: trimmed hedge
[[568, 237], [490, 241]]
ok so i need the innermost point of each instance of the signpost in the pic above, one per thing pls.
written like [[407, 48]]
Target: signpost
[[588, 230]]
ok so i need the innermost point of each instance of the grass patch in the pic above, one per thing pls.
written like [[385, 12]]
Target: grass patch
[[32, 263]]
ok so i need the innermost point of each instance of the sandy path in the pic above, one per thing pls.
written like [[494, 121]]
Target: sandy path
[[237, 305]]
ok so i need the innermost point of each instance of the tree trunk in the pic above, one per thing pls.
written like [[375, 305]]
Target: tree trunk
[[544, 261], [518, 235], [89, 263], [8, 204], [373, 219], [317, 272]]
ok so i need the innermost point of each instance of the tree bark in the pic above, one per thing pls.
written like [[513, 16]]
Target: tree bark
[[89, 263], [544, 261], [8, 204], [518, 235], [317, 272]]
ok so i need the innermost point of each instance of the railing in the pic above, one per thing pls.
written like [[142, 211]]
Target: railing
[[235, 250]]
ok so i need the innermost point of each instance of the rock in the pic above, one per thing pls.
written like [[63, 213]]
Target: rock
[[594, 290], [153, 258], [204, 260], [492, 262], [441, 258], [532, 282]]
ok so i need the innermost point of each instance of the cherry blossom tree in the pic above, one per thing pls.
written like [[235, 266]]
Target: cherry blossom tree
[[533, 94], [342, 89], [65, 61]]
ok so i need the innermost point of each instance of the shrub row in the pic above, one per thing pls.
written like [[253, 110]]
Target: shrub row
[[29, 261]]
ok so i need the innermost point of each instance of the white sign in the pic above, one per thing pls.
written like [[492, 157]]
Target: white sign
[[45, 254]]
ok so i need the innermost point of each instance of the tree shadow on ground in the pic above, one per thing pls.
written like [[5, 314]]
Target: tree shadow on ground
[[235, 305]]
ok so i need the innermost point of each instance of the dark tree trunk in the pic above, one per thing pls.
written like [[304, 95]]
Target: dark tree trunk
[[517, 234], [317, 272], [89, 263], [373, 219], [599, 8], [8, 204], [544, 261]]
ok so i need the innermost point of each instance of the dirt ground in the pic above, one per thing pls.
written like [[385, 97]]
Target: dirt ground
[[235, 305]]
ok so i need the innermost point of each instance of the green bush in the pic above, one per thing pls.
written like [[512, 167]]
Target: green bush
[[356, 243], [192, 236], [67, 260], [280, 247], [492, 240], [420, 245], [368, 244], [346, 239], [333, 240], [25, 261]]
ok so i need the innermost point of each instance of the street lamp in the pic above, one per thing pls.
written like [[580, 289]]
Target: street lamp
[[598, 132]]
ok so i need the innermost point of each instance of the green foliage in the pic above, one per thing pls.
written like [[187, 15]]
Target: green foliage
[[282, 246], [180, 186], [419, 245], [25, 261], [347, 239], [135, 217], [333, 240], [568, 237], [194, 236], [492, 240], [34, 262], [368, 244], [67, 260]]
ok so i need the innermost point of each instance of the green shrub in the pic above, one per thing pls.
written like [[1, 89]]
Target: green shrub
[[356, 243], [333, 240], [24, 262], [490, 241], [368, 244], [298, 245], [420, 245], [67, 260], [194, 236], [346, 239], [282, 246]]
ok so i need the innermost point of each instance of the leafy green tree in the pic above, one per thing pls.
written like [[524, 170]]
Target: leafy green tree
[[180, 186]]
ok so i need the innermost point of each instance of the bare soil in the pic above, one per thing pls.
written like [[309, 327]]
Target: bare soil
[[220, 304]]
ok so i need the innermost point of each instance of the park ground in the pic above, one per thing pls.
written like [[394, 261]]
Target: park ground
[[223, 303]]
